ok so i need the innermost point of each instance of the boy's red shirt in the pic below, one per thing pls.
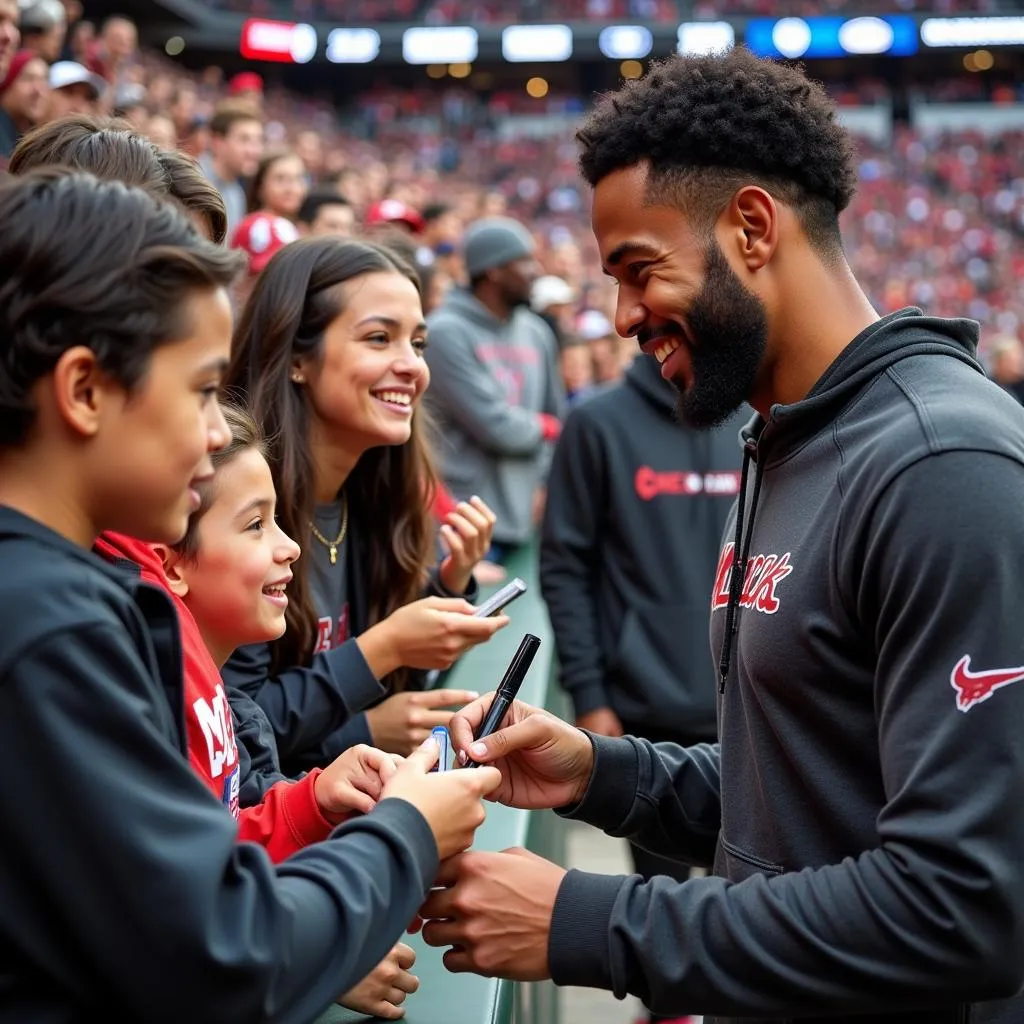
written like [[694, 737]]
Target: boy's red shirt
[[288, 818]]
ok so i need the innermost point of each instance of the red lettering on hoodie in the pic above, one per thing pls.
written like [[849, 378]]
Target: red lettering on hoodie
[[763, 575]]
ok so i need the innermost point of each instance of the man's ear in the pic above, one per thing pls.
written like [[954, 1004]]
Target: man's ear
[[173, 565], [753, 226], [80, 388]]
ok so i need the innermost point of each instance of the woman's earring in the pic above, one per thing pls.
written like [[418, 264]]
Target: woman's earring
[[297, 378]]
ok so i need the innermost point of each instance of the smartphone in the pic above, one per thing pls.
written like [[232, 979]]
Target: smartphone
[[501, 598]]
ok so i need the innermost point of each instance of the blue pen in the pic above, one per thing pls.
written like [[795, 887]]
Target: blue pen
[[440, 733]]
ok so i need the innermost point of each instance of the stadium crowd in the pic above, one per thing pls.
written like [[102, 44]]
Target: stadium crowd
[[938, 219]]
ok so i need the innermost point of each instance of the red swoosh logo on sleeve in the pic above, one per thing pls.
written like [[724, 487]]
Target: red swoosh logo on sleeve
[[974, 687]]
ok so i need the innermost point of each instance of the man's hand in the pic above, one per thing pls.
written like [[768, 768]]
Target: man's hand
[[495, 910], [450, 802], [382, 992], [544, 762], [602, 721], [352, 782]]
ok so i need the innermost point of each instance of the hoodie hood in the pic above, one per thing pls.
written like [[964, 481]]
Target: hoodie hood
[[907, 332], [644, 374]]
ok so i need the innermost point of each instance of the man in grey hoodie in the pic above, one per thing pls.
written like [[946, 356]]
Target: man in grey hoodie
[[495, 390], [864, 805]]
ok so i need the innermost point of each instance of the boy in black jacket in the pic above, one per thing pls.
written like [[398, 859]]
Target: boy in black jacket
[[125, 891]]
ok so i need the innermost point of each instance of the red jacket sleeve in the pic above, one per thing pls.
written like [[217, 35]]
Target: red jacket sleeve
[[286, 820]]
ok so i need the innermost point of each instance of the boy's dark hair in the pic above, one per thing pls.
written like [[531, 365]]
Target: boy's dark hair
[[104, 146], [316, 199], [706, 126], [112, 150], [246, 435], [187, 184], [96, 264]]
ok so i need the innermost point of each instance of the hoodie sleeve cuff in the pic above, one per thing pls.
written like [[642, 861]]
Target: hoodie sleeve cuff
[[611, 792], [302, 812], [586, 698], [578, 945]]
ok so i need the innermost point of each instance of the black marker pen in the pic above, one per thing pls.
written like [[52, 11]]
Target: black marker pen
[[507, 689]]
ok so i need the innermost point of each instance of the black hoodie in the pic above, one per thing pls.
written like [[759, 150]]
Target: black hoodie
[[126, 894], [635, 509], [866, 803]]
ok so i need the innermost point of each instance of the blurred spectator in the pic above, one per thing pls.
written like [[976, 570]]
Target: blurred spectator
[[236, 145], [577, 369], [495, 385], [279, 185], [43, 27], [247, 86], [610, 353], [161, 132], [310, 149], [115, 50], [552, 298], [80, 41], [442, 232], [74, 89], [9, 34], [24, 96], [324, 212], [1007, 365]]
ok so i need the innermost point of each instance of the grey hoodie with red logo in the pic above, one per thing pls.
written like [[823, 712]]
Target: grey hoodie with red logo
[[865, 806]]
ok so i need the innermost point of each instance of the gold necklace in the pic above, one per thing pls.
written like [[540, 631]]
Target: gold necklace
[[333, 545]]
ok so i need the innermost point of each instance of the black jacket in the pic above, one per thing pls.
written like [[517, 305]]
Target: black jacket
[[866, 804], [125, 892], [635, 509]]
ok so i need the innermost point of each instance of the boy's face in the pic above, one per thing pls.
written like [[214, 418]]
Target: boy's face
[[235, 585], [152, 446]]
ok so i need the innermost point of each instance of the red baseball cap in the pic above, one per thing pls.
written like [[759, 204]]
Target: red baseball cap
[[260, 235], [391, 211], [15, 68], [245, 81]]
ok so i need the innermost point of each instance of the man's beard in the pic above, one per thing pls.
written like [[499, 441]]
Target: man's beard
[[729, 329]]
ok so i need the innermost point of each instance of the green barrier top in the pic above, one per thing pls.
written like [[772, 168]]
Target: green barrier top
[[445, 998]]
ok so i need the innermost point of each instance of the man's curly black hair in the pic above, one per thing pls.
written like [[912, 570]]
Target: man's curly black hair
[[705, 126]]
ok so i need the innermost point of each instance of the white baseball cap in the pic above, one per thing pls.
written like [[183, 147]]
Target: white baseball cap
[[70, 72], [592, 324], [550, 291]]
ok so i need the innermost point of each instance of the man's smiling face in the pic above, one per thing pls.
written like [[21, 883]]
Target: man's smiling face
[[680, 298]]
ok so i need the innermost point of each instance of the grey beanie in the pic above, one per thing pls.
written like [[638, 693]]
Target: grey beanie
[[494, 242]]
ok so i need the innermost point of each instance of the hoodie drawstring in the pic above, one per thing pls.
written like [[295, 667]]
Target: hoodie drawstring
[[741, 552]]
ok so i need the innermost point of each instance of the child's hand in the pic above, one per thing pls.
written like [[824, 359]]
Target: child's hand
[[352, 782], [467, 534], [382, 992]]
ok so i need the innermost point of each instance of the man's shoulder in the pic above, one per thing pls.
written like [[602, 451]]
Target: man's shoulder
[[942, 404]]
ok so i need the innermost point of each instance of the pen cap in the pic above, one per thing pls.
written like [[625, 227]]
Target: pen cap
[[519, 666], [440, 733]]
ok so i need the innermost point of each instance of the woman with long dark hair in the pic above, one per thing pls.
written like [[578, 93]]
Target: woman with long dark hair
[[328, 356]]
